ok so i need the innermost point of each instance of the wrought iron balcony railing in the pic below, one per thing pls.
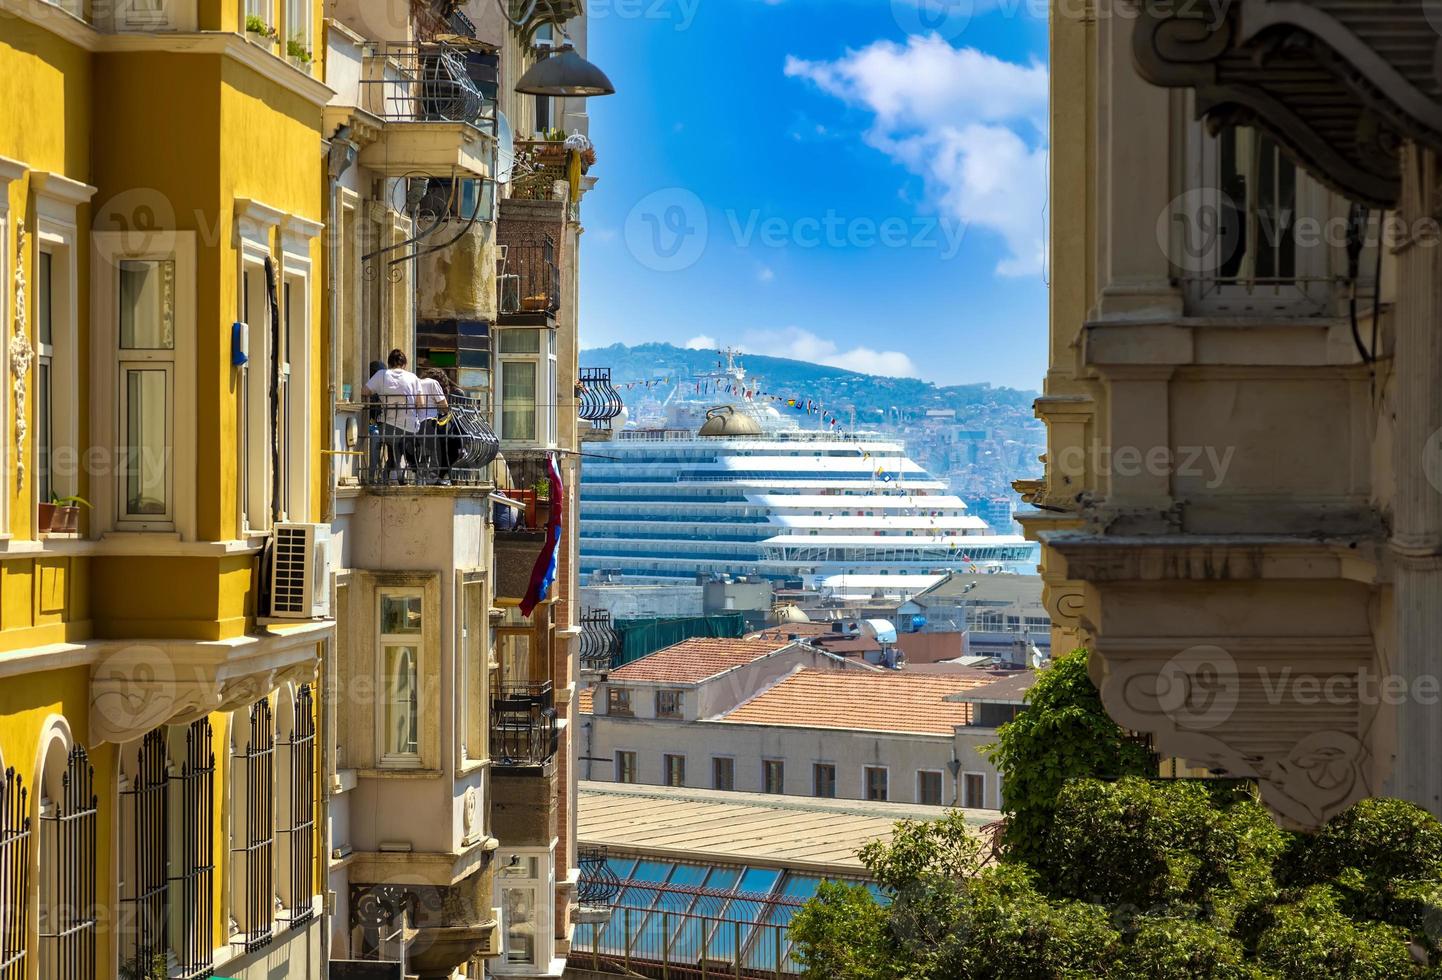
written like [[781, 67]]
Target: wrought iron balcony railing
[[598, 885], [424, 83], [523, 724], [528, 279], [598, 402], [413, 444], [600, 642]]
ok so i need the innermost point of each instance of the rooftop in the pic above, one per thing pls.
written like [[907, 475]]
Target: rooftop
[[692, 661], [881, 701], [1010, 688], [743, 828], [996, 588]]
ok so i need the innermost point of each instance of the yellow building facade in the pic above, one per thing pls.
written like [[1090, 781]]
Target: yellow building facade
[[161, 206]]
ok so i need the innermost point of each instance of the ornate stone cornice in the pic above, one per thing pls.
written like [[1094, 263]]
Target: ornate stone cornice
[[1339, 85]]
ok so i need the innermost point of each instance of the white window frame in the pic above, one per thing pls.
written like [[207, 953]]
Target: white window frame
[[964, 804], [108, 250], [543, 888], [866, 786], [940, 786], [473, 660], [297, 236], [254, 223], [9, 170], [299, 10], [1306, 295], [545, 361], [386, 759], [146, 15], [56, 199]]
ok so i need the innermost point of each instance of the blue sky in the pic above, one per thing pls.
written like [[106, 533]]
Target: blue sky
[[857, 182]]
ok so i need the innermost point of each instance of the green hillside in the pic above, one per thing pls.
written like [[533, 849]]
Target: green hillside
[[838, 389]]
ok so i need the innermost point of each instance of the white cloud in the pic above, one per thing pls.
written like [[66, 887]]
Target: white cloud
[[765, 273], [803, 345], [701, 342], [970, 124]]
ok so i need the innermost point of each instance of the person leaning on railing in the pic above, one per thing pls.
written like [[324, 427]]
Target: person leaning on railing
[[440, 436], [399, 391]]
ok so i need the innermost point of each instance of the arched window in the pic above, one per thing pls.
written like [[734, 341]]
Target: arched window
[[193, 853], [144, 868], [68, 809], [252, 823], [296, 805], [14, 875]]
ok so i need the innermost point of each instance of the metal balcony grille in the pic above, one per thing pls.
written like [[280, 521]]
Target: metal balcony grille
[[253, 855], [598, 401], [529, 279], [600, 642], [147, 809], [302, 806], [423, 447], [68, 866], [14, 875], [424, 83], [598, 885], [191, 893], [523, 724]]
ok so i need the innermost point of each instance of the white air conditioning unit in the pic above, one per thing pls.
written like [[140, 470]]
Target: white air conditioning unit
[[300, 572]]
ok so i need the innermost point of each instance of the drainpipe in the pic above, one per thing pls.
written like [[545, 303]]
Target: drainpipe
[[340, 155]]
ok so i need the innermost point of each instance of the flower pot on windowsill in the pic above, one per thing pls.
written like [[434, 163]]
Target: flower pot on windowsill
[[66, 520], [261, 38], [44, 518]]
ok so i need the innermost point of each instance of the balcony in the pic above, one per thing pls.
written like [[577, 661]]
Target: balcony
[[528, 284], [600, 644], [597, 888], [597, 402], [438, 121], [524, 734], [405, 446]]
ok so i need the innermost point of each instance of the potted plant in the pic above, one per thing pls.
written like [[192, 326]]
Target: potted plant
[[66, 519], [551, 148], [542, 489], [259, 31], [44, 516], [298, 54], [138, 968]]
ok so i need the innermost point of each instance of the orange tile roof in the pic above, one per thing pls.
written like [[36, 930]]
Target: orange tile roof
[[692, 661], [862, 700]]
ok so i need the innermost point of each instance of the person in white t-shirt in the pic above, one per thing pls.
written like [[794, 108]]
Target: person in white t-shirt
[[399, 391]]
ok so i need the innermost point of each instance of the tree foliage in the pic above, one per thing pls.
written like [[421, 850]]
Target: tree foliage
[[1065, 733], [1130, 878]]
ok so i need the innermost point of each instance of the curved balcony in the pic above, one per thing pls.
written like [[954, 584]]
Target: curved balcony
[[600, 642], [409, 446], [597, 400]]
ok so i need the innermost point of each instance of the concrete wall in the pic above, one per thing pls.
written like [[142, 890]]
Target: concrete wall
[[797, 748], [643, 601]]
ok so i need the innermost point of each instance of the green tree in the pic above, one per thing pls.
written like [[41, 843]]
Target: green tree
[[1064, 734]]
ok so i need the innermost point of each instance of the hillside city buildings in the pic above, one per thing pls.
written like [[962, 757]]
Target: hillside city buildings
[[285, 693]]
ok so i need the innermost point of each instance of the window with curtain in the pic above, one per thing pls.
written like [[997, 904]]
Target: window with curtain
[[400, 647], [518, 400], [147, 386]]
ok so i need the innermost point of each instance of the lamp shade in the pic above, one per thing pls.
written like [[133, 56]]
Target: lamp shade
[[565, 74]]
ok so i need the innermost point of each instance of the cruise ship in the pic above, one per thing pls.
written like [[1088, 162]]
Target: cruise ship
[[750, 491]]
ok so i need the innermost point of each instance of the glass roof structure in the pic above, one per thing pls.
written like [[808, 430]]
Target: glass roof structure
[[700, 920]]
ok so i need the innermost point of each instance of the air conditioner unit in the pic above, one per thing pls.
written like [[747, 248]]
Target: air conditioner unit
[[300, 572]]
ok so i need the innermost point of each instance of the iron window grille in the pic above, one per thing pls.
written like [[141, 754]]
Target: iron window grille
[[252, 850], [424, 446], [597, 885], [14, 875], [599, 400], [68, 865], [301, 832], [600, 641], [529, 279], [145, 801], [192, 899]]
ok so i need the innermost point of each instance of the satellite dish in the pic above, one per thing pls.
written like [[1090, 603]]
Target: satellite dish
[[505, 148]]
